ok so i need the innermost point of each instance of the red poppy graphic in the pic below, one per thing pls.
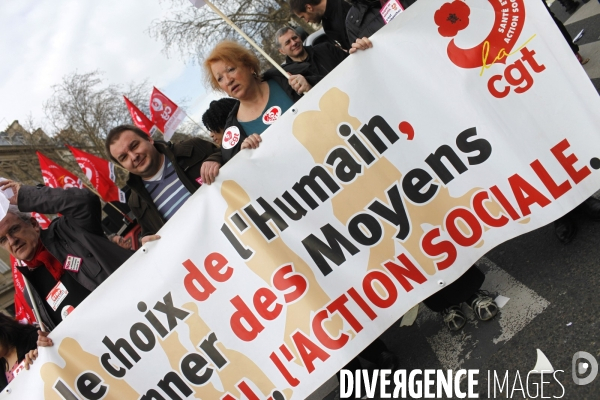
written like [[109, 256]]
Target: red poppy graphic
[[452, 18]]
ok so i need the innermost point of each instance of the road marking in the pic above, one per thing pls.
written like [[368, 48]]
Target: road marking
[[477, 341], [591, 51], [410, 317]]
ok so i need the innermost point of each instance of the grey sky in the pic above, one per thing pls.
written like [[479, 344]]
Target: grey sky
[[47, 39]]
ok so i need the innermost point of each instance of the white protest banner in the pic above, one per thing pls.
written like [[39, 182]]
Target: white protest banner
[[382, 185]]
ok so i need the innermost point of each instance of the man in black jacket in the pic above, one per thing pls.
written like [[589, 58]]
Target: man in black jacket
[[162, 175], [347, 23], [363, 19], [65, 262], [331, 13], [320, 59]]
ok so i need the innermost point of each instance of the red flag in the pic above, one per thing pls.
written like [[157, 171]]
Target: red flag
[[100, 173], [165, 114], [139, 118], [56, 176], [42, 220], [23, 313]]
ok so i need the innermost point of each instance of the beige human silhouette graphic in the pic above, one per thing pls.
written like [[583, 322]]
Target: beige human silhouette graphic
[[375, 180], [268, 257], [78, 361], [239, 366]]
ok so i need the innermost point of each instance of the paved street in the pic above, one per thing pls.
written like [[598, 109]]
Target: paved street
[[587, 17], [554, 300]]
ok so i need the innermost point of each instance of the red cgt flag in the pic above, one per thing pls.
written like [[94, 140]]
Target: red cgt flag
[[56, 176], [100, 173], [42, 220], [139, 118], [23, 313], [165, 114]]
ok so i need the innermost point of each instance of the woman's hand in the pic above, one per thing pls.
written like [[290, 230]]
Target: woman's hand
[[299, 84], [30, 357], [361, 44], [251, 142]]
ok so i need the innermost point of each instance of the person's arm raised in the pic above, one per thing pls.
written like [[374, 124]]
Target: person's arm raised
[[81, 205]]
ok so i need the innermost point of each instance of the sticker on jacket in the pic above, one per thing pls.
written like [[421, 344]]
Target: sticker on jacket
[[57, 295], [72, 263], [199, 180], [271, 115], [66, 310], [390, 10], [231, 137]]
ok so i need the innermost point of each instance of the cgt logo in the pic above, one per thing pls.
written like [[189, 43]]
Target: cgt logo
[[516, 76], [584, 364], [509, 19], [159, 106]]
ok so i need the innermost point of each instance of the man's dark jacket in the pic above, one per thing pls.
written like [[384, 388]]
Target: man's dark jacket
[[321, 60], [77, 232], [274, 74], [364, 18], [334, 22], [187, 157]]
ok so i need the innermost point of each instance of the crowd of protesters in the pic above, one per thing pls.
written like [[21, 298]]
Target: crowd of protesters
[[74, 255]]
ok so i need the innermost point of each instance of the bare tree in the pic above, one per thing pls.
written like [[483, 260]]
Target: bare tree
[[194, 31], [82, 108]]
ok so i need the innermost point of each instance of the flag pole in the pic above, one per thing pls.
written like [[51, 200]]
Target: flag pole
[[191, 119], [252, 42]]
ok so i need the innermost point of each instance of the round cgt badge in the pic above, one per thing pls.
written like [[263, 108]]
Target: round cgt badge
[[231, 137], [271, 115]]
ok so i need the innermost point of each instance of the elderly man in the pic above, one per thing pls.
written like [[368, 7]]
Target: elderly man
[[65, 262], [318, 60], [162, 175]]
